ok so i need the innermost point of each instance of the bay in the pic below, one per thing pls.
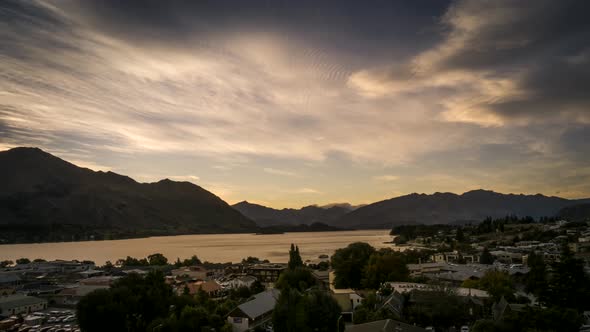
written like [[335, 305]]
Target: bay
[[219, 248]]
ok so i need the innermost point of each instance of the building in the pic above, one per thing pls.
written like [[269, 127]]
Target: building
[[241, 281], [348, 300], [20, 304], [386, 325], [268, 272], [69, 297], [253, 313], [406, 287], [212, 288], [192, 272], [455, 257]]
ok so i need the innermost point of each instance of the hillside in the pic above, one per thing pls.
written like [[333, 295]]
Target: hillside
[[444, 208], [265, 216], [578, 212], [44, 198]]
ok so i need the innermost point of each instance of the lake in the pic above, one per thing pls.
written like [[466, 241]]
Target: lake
[[217, 248]]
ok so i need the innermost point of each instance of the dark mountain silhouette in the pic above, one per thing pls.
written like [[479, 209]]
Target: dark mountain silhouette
[[265, 216], [41, 191], [444, 208], [578, 212]]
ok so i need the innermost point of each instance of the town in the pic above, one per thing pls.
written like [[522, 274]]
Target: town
[[498, 275]]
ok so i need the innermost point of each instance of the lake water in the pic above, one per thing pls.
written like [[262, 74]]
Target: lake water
[[214, 248]]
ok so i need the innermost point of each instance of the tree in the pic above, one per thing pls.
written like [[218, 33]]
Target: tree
[[486, 257], [460, 237], [497, 284], [536, 279], [6, 263], [313, 310], [157, 259], [295, 260], [300, 278], [569, 285], [132, 303], [23, 261], [349, 264], [385, 265]]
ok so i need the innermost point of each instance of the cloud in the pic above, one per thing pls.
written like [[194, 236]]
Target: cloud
[[279, 172], [306, 191], [500, 63], [462, 90], [189, 178], [386, 178]]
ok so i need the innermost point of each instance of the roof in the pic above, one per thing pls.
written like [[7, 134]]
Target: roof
[[386, 325], [261, 304], [18, 300], [6, 278], [247, 278], [206, 286]]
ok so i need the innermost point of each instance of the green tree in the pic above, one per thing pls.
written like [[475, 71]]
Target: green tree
[[349, 264], [385, 265], [536, 279], [23, 261], [309, 311], [486, 257], [157, 259], [6, 263], [497, 284], [131, 304], [569, 285], [460, 237], [295, 260], [300, 278]]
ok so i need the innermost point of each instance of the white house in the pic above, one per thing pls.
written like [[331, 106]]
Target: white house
[[255, 312], [241, 281]]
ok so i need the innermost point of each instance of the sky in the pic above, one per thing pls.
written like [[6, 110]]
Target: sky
[[292, 103]]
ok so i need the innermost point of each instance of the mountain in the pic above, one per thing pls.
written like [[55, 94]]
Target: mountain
[[578, 212], [265, 216], [41, 194], [444, 208]]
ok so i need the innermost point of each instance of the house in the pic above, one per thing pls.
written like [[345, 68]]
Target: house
[[394, 303], [20, 304], [348, 300], [406, 287], [8, 283], [268, 272], [386, 325], [322, 278], [212, 288], [502, 307], [507, 256], [241, 281], [255, 312], [192, 272], [69, 297], [99, 281]]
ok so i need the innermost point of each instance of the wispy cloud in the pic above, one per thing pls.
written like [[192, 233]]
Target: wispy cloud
[[386, 178], [279, 172], [175, 83]]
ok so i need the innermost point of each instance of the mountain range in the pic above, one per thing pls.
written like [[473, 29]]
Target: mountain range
[[39, 191], [265, 216], [445, 208], [44, 198]]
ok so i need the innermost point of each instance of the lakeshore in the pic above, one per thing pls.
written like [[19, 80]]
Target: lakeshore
[[210, 247]]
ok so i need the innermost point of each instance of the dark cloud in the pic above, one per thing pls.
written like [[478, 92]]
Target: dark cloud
[[369, 27]]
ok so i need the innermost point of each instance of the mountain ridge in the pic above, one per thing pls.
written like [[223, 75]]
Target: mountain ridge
[[307, 215], [445, 208], [41, 190]]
